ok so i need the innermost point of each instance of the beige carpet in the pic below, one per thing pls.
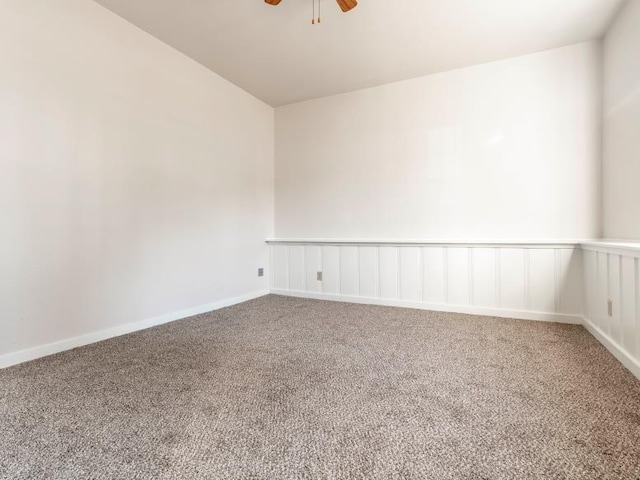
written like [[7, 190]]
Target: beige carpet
[[282, 388]]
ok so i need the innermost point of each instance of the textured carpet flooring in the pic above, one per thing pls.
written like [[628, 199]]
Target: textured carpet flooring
[[281, 388]]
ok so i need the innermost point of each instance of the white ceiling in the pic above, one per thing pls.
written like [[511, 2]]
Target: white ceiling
[[278, 56]]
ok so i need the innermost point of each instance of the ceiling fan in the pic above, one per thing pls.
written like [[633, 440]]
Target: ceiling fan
[[345, 5]]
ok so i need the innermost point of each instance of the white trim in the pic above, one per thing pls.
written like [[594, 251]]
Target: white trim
[[479, 243], [629, 249], [389, 302], [614, 348], [15, 358]]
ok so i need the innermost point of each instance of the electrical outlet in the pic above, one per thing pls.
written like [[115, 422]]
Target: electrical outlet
[[261, 272], [610, 307], [319, 276]]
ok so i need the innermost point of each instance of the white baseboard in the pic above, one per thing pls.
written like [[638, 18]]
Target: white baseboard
[[616, 350], [33, 353], [489, 312]]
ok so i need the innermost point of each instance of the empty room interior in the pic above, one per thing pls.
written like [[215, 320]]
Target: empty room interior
[[320, 239]]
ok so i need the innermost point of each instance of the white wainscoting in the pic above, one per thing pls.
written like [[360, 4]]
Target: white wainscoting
[[612, 272], [535, 281]]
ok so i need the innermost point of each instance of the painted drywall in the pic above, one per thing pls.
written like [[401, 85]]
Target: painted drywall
[[134, 182], [377, 43], [508, 149], [621, 159]]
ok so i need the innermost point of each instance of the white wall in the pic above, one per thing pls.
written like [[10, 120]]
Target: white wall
[[503, 150], [133, 182], [621, 162]]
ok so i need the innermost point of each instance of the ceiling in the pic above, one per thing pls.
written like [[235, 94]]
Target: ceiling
[[278, 56]]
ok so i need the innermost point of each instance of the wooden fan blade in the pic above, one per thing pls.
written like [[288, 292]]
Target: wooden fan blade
[[347, 5], [272, 2]]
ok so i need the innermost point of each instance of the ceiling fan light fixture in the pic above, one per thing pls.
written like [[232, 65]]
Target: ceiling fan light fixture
[[346, 5]]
